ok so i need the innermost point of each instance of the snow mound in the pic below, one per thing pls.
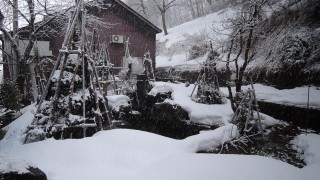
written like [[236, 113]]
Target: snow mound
[[123, 154], [226, 167], [309, 145], [15, 130], [14, 165], [118, 100], [114, 154], [160, 87], [211, 140], [219, 114]]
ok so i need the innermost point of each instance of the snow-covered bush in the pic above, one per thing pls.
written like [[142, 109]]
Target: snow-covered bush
[[197, 50], [210, 96], [288, 48], [198, 44], [35, 135], [296, 48]]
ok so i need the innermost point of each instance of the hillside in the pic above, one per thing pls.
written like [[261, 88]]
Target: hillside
[[288, 55], [286, 51], [173, 49]]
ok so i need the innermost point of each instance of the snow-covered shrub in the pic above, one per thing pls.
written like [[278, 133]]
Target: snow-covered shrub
[[197, 51], [296, 48], [288, 48], [198, 43], [211, 97], [35, 135]]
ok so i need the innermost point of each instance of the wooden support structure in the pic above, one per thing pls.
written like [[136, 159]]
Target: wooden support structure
[[73, 97], [207, 82], [148, 66], [244, 115]]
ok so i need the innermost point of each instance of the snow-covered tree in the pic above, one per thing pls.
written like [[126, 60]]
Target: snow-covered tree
[[10, 96], [37, 18], [244, 26], [181, 10], [28, 17], [147, 9], [163, 6]]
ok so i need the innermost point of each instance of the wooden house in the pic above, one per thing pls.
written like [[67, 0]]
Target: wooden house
[[123, 22]]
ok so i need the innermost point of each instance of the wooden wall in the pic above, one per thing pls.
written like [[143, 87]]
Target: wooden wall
[[125, 23]]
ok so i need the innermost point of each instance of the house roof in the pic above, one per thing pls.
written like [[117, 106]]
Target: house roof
[[125, 6], [158, 30]]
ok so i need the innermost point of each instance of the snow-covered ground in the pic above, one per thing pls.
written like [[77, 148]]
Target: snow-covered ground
[[121, 154], [297, 96], [131, 154], [180, 60], [201, 27], [201, 113]]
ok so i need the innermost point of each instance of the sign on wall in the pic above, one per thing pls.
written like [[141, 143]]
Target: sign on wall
[[43, 47]]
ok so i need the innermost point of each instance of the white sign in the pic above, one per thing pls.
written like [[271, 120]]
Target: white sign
[[43, 47]]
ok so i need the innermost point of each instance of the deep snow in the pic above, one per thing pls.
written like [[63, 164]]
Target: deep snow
[[201, 113], [131, 154]]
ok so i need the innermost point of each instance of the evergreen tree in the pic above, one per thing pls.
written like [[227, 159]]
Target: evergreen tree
[[10, 95]]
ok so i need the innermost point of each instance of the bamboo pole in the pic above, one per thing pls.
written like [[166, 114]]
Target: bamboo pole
[[257, 109], [307, 122], [71, 26]]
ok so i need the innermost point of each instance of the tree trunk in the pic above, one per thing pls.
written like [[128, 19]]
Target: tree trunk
[[144, 9], [246, 54], [15, 27], [33, 82], [192, 10], [164, 25], [238, 81], [229, 73]]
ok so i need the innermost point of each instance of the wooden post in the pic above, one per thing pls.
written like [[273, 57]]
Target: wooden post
[[61, 55], [257, 109], [33, 82], [307, 121]]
